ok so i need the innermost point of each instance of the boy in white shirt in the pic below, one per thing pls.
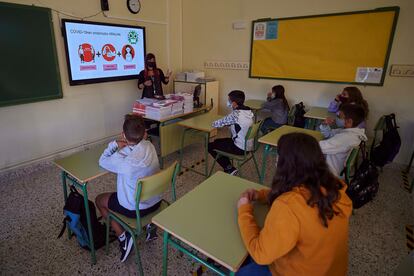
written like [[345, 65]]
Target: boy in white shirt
[[131, 159], [239, 120], [341, 141]]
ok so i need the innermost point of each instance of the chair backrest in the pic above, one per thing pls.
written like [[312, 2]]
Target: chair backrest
[[350, 163], [253, 133], [157, 184], [379, 126], [291, 115]]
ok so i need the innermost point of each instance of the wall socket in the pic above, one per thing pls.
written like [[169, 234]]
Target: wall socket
[[227, 65], [399, 70]]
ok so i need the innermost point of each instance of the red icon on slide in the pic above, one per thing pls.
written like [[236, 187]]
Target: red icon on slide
[[108, 52], [86, 53], [128, 52]]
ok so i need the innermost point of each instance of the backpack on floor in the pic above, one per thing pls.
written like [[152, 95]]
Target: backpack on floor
[[75, 218], [363, 187], [388, 148], [299, 120]]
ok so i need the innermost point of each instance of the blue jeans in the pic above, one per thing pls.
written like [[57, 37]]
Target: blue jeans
[[269, 125], [253, 269]]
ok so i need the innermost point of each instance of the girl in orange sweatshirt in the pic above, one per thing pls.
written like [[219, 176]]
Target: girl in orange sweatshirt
[[306, 229]]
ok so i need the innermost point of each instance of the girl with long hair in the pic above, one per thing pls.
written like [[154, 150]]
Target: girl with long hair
[[306, 228], [352, 95], [277, 104]]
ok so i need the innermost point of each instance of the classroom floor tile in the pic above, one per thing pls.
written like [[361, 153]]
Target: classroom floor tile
[[31, 217]]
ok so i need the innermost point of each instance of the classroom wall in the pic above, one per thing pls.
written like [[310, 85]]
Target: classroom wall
[[208, 35], [87, 113]]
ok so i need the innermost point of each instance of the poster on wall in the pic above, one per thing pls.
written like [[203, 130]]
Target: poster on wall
[[99, 52]]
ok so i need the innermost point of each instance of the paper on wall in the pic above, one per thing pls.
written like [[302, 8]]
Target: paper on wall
[[368, 74], [259, 31]]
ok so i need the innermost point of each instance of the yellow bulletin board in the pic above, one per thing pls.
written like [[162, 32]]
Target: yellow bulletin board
[[351, 47]]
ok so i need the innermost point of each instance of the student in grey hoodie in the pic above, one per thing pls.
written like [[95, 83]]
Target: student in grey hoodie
[[239, 120], [277, 104], [341, 141], [131, 158]]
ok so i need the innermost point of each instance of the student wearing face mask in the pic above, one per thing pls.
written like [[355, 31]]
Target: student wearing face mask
[[277, 104], [151, 78], [340, 141], [350, 95], [239, 120]]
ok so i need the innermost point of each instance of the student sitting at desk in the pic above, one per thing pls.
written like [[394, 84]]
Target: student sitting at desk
[[131, 159], [306, 229], [277, 104], [350, 95], [239, 120], [341, 141]]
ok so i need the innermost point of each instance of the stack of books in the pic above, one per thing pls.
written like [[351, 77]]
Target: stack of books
[[140, 106]]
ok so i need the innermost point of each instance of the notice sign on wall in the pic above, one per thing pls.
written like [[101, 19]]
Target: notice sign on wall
[[99, 52]]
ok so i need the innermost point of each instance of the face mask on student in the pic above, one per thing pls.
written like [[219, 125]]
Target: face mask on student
[[340, 122], [343, 99], [229, 105]]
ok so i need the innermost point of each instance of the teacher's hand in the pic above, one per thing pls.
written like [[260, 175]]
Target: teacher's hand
[[169, 73], [148, 83]]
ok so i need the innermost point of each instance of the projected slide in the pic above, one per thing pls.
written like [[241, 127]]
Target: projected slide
[[98, 52]]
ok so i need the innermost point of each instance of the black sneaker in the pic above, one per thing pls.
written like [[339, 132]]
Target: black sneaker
[[126, 246], [151, 232], [232, 171]]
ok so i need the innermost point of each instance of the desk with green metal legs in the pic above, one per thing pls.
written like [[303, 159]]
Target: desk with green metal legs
[[205, 221], [198, 126], [255, 105], [79, 169], [315, 114], [169, 130], [271, 139]]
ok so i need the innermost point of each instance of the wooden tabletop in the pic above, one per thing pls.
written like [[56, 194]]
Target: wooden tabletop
[[201, 122], [84, 165], [206, 219], [320, 113], [273, 137], [254, 104]]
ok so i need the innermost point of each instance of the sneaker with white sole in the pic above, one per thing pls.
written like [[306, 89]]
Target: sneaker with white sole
[[151, 232], [125, 246], [232, 171]]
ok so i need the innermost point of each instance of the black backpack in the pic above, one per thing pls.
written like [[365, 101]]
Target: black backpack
[[363, 187], [75, 217], [299, 115], [388, 148]]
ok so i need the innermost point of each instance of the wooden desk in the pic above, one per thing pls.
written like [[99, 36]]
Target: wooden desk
[[169, 128], [272, 138], [80, 168], [317, 113], [255, 105], [199, 125], [206, 220]]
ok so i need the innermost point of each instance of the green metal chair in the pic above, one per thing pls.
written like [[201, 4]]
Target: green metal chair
[[146, 188], [379, 127], [291, 115], [350, 163], [252, 133]]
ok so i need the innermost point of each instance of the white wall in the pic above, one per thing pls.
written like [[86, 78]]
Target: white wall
[[208, 35], [87, 112]]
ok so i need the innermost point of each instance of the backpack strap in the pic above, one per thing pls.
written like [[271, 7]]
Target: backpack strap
[[66, 219]]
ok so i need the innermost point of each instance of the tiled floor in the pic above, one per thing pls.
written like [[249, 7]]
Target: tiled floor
[[31, 217]]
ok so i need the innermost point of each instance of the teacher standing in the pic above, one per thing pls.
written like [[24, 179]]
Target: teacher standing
[[151, 78]]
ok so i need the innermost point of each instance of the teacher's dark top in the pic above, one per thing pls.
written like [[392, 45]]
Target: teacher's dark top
[[156, 87]]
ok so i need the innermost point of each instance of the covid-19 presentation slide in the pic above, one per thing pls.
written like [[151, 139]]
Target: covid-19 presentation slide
[[102, 51]]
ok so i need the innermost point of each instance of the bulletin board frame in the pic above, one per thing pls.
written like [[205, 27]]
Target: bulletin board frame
[[278, 54]]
